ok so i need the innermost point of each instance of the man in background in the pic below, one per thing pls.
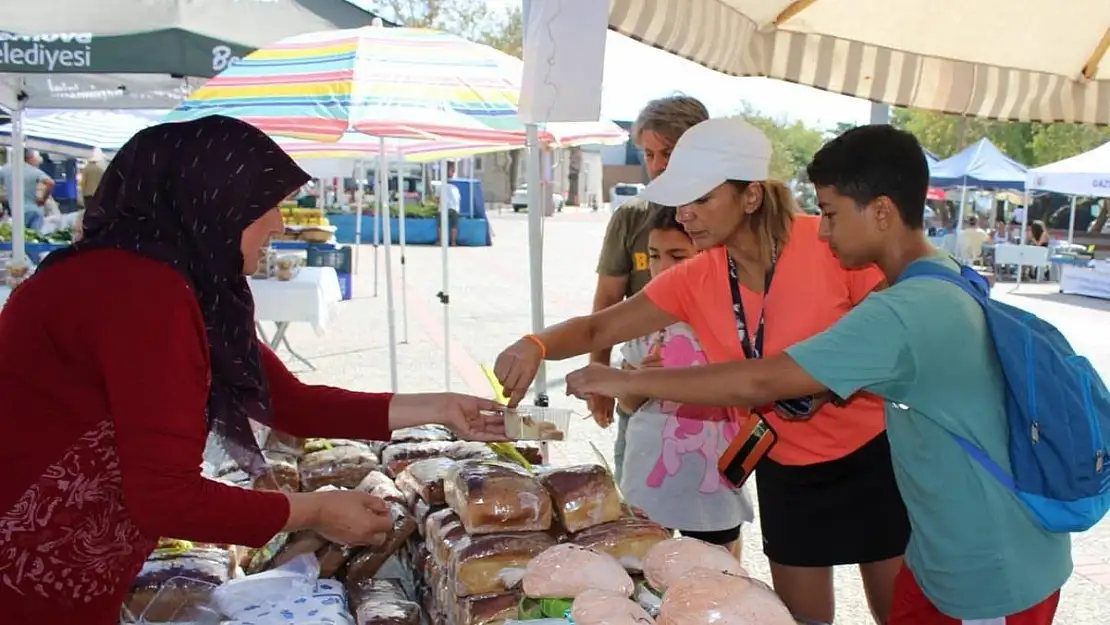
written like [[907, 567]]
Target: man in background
[[622, 267], [454, 205], [91, 174], [37, 187]]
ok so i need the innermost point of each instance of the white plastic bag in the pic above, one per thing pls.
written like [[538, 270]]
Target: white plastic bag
[[241, 597]]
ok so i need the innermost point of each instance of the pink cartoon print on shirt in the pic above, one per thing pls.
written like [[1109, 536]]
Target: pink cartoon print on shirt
[[691, 429]]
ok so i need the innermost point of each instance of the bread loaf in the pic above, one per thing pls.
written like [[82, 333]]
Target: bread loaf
[[380, 485], [487, 609], [194, 573], [397, 456], [441, 531], [422, 433], [469, 450], [628, 540], [497, 497], [493, 563], [344, 466], [381, 603], [282, 473], [365, 564], [582, 496], [423, 479]]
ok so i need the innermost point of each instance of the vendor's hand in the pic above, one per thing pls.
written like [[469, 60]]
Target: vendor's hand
[[350, 517], [473, 418], [598, 380], [516, 368]]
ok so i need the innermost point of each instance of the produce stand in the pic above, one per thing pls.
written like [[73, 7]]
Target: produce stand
[[482, 533]]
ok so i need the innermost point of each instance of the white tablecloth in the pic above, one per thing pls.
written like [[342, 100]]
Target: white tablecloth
[[307, 298], [1084, 281]]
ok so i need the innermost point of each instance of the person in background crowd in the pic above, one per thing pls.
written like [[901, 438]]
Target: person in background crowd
[[91, 174], [1001, 233], [827, 494], [37, 187], [671, 450], [454, 204], [972, 239], [976, 554], [120, 399], [622, 266], [1037, 234]]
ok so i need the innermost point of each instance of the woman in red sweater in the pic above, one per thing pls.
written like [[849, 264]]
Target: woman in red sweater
[[126, 350]]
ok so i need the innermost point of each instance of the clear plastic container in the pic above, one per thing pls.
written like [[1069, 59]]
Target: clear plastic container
[[535, 423], [182, 601]]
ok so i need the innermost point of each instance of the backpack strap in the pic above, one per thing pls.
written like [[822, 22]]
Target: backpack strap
[[968, 279]]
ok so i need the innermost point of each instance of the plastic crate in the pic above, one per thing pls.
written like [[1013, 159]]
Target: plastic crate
[[345, 285], [338, 258]]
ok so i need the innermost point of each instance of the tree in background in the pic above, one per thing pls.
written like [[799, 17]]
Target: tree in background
[[794, 144]]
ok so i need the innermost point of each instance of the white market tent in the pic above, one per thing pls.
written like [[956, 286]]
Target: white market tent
[[1083, 175]]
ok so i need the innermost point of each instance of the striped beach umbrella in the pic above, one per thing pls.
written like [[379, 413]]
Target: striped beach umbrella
[[77, 133], [383, 82]]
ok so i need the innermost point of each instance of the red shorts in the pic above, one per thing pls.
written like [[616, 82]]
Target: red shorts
[[912, 607]]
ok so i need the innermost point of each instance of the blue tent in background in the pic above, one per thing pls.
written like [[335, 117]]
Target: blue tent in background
[[981, 165], [930, 158]]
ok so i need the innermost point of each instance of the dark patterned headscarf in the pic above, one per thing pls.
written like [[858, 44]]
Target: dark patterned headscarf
[[182, 194]]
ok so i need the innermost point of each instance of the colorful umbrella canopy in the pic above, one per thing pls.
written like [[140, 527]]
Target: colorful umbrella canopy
[[384, 82]]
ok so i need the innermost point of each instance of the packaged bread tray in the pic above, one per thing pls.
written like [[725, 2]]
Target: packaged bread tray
[[536, 423], [492, 496], [493, 563]]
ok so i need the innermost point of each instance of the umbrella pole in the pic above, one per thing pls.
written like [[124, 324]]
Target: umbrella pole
[[444, 296], [401, 236], [535, 249], [15, 194], [387, 238], [1071, 221], [377, 218], [358, 212]]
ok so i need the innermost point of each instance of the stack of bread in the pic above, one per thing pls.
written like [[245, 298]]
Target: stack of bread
[[477, 539]]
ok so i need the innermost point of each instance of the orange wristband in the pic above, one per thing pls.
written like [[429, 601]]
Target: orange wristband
[[539, 343]]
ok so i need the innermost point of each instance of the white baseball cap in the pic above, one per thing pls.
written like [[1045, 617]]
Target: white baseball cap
[[708, 155]]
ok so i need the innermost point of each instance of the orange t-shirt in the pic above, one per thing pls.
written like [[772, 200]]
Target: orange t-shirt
[[810, 291]]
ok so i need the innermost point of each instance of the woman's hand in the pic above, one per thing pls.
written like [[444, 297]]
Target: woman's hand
[[516, 367], [471, 418], [346, 517], [601, 380]]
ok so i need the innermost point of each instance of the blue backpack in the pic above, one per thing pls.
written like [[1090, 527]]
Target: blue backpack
[[1057, 407]]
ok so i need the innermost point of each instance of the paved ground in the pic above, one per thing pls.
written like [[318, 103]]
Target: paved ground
[[490, 308]]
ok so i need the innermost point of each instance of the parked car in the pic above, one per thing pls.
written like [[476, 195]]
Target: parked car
[[622, 192], [520, 199]]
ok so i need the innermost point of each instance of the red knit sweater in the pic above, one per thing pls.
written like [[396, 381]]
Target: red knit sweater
[[104, 378]]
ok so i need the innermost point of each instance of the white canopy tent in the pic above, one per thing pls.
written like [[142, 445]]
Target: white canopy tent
[[1084, 175]]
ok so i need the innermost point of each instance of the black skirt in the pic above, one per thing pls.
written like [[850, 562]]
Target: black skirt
[[844, 511]]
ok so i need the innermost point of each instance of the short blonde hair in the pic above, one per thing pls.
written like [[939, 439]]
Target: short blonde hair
[[669, 117]]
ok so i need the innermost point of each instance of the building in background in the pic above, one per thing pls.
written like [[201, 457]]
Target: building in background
[[621, 163]]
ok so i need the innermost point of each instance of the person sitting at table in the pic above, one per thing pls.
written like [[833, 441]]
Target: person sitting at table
[[1037, 234], [1001, 233], [972, 239], [125, 351]]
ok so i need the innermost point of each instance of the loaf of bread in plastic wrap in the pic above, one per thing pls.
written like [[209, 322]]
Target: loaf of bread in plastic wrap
[[423, 480], [494, 497], [493, 563], [381, 486], [343, 466], [397, 456], [366, 562], [627, 539], [582, 496], [381, 602], [485, 609], [187, 573]]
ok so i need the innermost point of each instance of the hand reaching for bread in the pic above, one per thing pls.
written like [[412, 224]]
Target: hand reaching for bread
[[345, 517]]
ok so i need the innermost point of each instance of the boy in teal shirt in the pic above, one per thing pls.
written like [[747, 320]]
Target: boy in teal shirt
[[976, 555]]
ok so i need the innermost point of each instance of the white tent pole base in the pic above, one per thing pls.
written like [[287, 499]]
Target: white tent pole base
[[401, 228], [444, 295], [381, 185]]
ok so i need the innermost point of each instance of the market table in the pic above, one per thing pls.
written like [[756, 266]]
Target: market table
[[1091, 279], [307, 298]]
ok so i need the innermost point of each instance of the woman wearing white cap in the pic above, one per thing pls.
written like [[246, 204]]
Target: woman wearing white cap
[[765, 281]]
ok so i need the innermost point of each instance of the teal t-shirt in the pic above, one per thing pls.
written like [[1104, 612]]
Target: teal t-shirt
[[923, 346]]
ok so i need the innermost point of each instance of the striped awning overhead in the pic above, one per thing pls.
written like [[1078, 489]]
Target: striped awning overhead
[[1023, 60], [77, 133]]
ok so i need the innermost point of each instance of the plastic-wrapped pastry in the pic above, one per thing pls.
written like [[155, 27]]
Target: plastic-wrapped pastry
[[493, 563], [382, 604], [313, 445], [469, 450], [582, 496], [565, 571], [374, 589], [486, 609], [421, 434], [709, 596], [601, 607], [441, 531], [423, 479], [627, 539], [344, 466], [299, 543], [365, 564], [397, 456], [672, 559], [497, 497], [420, 512], [282, 473], [206, 565], [380, 485]]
